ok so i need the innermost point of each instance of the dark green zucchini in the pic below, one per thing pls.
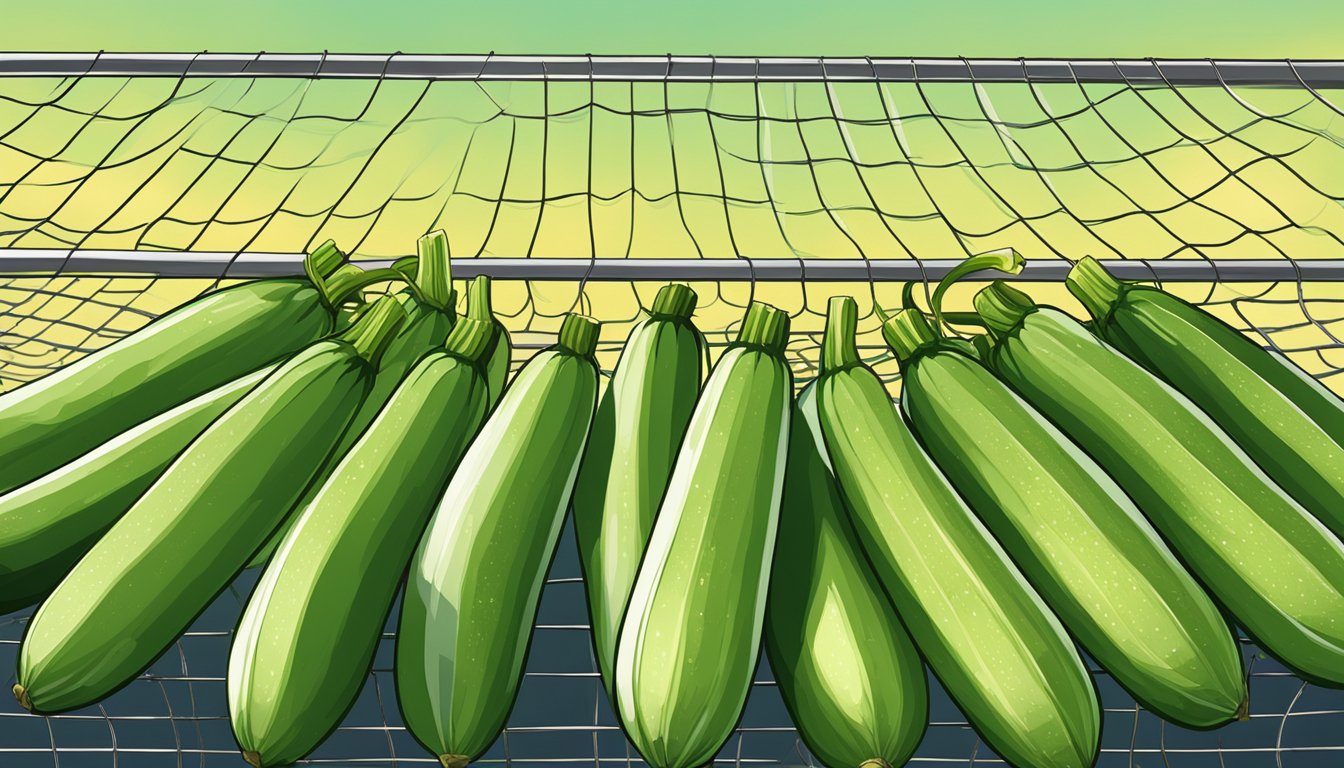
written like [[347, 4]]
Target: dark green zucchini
[[1079, 540], [1276, 569], [1286, 421], [189, 351], [192, 532], [48, 524], [342, 560]]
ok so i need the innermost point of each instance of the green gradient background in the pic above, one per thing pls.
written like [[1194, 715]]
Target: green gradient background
[[1297, 28]]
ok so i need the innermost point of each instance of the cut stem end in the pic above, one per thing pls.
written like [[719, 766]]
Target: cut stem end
[[374, 329], [21, 694], [253, 758], [454, 761], [1003, 307], [578, 334], [765, 326], [838, 346], [434, 273], [907, 332], [675, 301], [1094, 287]]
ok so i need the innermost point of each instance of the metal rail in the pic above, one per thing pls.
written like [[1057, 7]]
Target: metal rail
[[1239, 72], [216, 264]]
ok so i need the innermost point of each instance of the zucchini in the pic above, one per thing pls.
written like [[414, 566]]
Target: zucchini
[[476, 577], [187, 352], [48, 524], [430, 314], [1276, 569], [691, 635], [341, 561], [847, 670], [984, 632], [639, 426], [1287, 422], [190, 534], [1079, 540]]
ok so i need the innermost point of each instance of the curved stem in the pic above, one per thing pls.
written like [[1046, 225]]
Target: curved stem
[[1006, 260]]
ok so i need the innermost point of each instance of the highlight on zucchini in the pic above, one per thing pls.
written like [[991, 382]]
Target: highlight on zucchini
[[47, 525], [1291, 425], [1272, 565], [193, 349], [1083, 545], [428, 300], [999, 652], [691, 635], [475, 580], [639, 426], [847, 670], [191, 533], [324, 598]]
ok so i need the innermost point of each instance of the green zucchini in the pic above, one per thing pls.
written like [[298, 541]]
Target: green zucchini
[[691, 635], [191, 350], [476, 577], [639, 426], [343, 558], [48, 524], [430, 314], [847, 670], [1079, 540], [189, 535], [1276, 569], [1288, 424], [984, 632]]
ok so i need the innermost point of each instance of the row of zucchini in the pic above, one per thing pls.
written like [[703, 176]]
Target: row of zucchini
[[1037, 489]]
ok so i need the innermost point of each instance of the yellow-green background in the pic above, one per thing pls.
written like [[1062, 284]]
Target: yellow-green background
[[209, 165], [1300, 28]]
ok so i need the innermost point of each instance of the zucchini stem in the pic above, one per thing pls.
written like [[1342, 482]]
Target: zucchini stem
[[907, 332], [1002, 307], [839, 349], [21, 694], [1006, 260], [375, 328], [434, 273], [765, 326], [675, 301], [578, 334], [454, 761], [478, 299], [473, 338], [1094, 287], [323, 261]]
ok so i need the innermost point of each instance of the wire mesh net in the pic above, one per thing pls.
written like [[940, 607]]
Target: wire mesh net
[[751, 171]]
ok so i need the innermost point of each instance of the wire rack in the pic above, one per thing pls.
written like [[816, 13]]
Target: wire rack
[[131, 184]]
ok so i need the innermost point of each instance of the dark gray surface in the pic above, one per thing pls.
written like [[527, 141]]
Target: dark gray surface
[[177, 714]]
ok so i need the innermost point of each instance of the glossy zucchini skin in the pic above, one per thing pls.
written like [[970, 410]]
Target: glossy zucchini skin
[[691, 636], [190, 534], [1084, 546], [846, 668], [1276, 569], [47, 525], [185, 353], [1289, 424], [476, 577], [342, 560], [984, 632], [425, 328], [639, 426]]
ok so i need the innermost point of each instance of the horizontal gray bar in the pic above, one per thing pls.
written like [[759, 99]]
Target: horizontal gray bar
[[1316, 73], [212, 264]]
